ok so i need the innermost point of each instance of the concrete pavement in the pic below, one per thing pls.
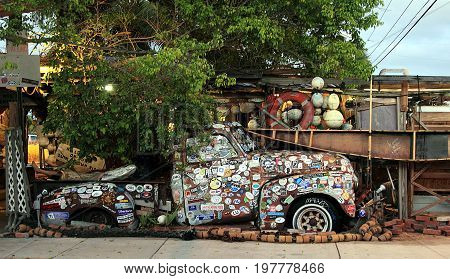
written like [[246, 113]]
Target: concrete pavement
[[406, 246]]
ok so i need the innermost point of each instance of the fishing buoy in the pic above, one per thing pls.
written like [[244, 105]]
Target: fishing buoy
[[333, 118], [317, 100], [317, 83], [347, 126], [51, 148], [333, 101], [318, 111], [162, 219], [252, 124], [235, 109], [316, 120], [43, 141], [246, 107], [294, 114]]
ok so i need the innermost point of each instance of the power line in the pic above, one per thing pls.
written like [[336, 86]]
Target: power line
[[380, 19], [404, 28], [392, 27], [407, 32]]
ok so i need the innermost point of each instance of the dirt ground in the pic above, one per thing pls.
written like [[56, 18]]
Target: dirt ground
[[413, 246]]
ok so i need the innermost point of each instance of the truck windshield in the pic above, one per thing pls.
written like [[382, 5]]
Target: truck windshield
[[243, 138]]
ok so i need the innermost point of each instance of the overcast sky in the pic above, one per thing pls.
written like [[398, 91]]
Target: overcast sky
[[425, 51]]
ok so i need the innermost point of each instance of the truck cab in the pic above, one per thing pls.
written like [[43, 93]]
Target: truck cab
[[226, 179]]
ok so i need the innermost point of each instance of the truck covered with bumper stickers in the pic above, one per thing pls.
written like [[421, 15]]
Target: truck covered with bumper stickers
[[227, 180]]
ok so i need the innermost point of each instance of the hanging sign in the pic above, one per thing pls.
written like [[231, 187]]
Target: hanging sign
[[19, 70]]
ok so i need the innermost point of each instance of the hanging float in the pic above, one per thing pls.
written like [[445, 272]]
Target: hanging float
[[285, 102]]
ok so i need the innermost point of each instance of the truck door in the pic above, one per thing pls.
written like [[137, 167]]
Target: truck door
[[215, 182]]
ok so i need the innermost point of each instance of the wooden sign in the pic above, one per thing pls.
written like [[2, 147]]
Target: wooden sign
[[19, 70]]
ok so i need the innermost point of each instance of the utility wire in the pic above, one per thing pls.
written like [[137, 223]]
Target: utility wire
[[404, 28], [392, 27], [407, 32], [382, 15]]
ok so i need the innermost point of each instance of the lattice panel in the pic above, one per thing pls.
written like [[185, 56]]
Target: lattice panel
[[17, 182]]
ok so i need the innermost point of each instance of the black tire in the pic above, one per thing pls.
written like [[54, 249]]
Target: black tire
[[98, 217], [314, 214]]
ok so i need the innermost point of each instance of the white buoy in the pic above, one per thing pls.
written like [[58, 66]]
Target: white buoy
[[318, 83], [318, 111], [294, 114], [316, 120], [317, 100], [333, 101], [333, 118], [162, 219]]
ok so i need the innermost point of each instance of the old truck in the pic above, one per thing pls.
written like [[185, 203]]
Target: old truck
[[226, 179]]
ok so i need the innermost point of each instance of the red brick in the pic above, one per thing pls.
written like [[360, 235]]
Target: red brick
[[410, 222], [431, 224], [390, 223], [396, 232], [446, 232], [54, 227], [410, 230], [432, 232], [444, 228], [21, 235], [418, 227], [398, 227], [57, 234], [423, 218]]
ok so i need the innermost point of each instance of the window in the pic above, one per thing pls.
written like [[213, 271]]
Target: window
[[219, 147]]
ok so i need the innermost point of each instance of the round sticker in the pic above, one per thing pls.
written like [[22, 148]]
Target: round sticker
[[235, 212], [139, 188], [148, 187], [227, 201], [121, 197], [249, 196], [279, 207], [197, 171], [89, 191], [215, 184], [292, 158], [291, 187], [246, 173], [130, 187], [96, 194], [216, 199], [242, 168], [276, 188], [81, 190], [255, 186], [279, 220], [97, 188], [236, 178], [282, 181]]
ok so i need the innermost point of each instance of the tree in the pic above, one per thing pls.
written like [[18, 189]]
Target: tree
[[160, 57]]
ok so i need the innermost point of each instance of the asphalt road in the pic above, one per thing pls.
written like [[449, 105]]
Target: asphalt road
[[407, 246]]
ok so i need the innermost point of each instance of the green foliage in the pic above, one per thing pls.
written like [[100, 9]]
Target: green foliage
[[160, 57]]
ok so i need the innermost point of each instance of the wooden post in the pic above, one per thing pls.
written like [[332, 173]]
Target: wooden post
[[370, 118]]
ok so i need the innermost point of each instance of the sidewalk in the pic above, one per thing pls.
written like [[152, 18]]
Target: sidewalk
[[406, 246]]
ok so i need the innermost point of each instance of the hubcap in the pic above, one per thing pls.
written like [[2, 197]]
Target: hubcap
[[312, 218]]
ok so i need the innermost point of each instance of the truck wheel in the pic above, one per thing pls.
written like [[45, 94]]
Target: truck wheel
[[98, 217], [315, 215]]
